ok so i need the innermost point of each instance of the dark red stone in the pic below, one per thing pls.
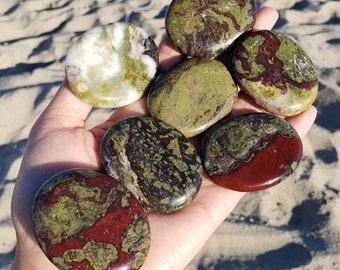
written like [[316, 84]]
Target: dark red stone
[[251, 152], [83, 219]]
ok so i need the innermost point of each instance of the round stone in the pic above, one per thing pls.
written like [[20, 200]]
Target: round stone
[[111, 65], [155, 161], [275, 72], [84, 219], [251, 152], [207, 28], [193, 95]]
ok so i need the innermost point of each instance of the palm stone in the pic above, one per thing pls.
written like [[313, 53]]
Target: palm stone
[[193, 95], [275, 72], [155, 161], [111, 65], [251, 152], [207, 28], [84, 219]]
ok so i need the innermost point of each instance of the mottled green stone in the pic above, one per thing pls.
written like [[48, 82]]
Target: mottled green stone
[[275, 72], [193, 95], [207, 28], [155, 161]]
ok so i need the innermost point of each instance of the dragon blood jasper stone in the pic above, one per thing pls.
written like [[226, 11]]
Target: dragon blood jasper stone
[[111, 65], [251, 152], [207, 28], [275, 72], [193, 95], [84, 219], [155, 161]]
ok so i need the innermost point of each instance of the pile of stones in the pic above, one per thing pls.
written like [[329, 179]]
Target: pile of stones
[[85, 219]]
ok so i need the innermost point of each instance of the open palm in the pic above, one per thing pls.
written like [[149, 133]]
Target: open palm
[[59, 141]]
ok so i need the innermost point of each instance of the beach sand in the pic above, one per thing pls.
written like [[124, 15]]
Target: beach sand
[[295, 225]]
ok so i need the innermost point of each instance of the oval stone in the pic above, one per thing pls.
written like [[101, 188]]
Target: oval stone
[[111, 65], [84, 219], [275, 72], [193, 95], [207, 28], [155, 161], [251, 152]]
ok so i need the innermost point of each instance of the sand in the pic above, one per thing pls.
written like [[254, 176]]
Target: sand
[[295, 225]]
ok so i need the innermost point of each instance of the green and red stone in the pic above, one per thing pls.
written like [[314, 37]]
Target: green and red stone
[[155, 161], [251, 152], [193, 95], [83, 219], [275, 72], [207, 28]]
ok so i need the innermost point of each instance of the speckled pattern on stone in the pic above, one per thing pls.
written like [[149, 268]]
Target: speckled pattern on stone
[[155, 161]]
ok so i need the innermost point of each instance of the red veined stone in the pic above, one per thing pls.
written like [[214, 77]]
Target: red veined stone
[[207, 28], [84, 219]]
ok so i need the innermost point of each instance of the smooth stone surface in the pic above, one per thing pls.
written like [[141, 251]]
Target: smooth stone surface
[[111, 65], [155, 161], [83, 219], [251, 152], [276, 73], [207, 28], [193, 95]]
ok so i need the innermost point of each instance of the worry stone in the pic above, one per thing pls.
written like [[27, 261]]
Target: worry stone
[[84, 219], [193, 95], [275, 72], [207, 28], [111, 65], [155, 161], [251, 152]]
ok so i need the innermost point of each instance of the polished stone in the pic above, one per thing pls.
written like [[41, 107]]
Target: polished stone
[[84, 219], [193, 95], [275, 72], [111, 65], [251, 152], [207, 28], [155, 161]]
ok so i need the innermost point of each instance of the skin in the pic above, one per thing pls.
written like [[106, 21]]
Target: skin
[[59, 141]]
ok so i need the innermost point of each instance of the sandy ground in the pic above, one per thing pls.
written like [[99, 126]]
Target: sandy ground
[[295, 225]]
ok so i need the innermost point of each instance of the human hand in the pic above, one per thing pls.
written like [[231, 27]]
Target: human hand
[[59, 141]]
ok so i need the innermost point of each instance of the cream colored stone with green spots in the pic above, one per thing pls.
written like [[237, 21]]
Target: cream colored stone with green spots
[[111, 65]]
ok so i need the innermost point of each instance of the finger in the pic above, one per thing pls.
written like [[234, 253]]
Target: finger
[[265, 18], [138, 108], [168, 54], [65, 110], [304, 121]]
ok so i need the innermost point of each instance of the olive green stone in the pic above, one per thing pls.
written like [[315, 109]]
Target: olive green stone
[[155, 162], [207, 28], [193, 95]]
